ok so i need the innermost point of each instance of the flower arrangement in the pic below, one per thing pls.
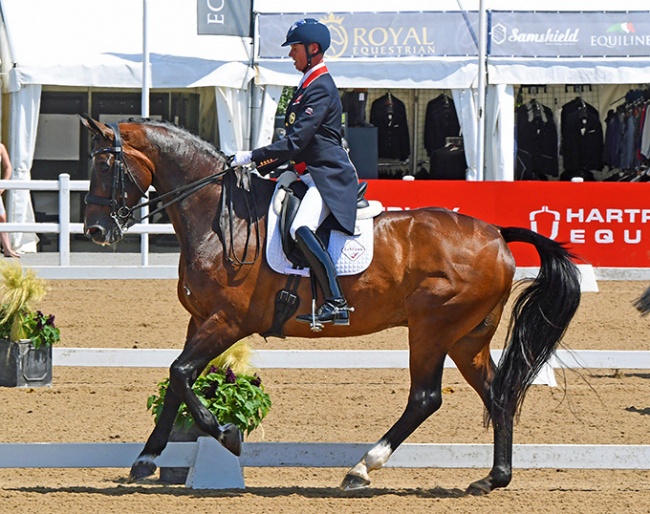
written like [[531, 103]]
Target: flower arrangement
[[229, 387], [19, 292]]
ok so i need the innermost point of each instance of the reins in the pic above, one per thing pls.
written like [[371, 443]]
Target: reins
[[123, 215], [182, 192], [226, 220]]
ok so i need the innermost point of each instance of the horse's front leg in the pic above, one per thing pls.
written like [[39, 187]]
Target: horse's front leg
[[144, 465], [209, 339], [183, 373], [200, 349]]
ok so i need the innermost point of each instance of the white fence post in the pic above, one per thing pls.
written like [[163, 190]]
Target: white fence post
[[64, 219], [144, 237]]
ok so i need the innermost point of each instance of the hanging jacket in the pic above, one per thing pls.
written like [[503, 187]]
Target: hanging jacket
[[388, 114], [440, 122], [536, 142], [582, 137]]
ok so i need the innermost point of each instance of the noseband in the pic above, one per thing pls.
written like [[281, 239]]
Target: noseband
[[120, 211]]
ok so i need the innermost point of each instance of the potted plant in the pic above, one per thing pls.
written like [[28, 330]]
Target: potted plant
[[230, 388], [26, 334]]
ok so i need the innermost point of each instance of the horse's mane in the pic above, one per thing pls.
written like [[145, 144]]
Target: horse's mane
[[178, 139]]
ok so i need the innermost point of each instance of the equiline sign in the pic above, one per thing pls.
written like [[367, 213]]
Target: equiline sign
[[569, 34]]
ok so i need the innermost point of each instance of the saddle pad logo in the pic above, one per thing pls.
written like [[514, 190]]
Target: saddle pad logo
[[353, 250]]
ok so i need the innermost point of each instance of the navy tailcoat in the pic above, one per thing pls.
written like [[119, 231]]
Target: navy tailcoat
[[313, 124]]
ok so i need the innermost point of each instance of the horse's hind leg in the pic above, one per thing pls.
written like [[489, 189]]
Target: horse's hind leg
[[472, 357], [424, 399]]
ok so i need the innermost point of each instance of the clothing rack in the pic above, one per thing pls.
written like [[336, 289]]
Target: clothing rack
[[577, 88]]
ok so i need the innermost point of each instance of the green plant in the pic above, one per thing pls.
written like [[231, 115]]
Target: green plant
[[285, 98], [19, 291], [228, 389]]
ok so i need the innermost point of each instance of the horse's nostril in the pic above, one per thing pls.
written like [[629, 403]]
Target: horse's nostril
[[94, 230]]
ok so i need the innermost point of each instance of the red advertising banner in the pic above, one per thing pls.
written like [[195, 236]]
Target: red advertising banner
[[606, 224]]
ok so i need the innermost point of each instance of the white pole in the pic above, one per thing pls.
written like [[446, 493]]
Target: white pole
[[480, 111], [64, 219], [146, 84], [146, 75]]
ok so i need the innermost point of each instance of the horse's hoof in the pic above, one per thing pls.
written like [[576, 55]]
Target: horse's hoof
[[230, 438], [352, 482], [479, 488], [142, 468]]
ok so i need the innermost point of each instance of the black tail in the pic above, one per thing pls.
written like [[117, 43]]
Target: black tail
[[642, 303], [540, 318]]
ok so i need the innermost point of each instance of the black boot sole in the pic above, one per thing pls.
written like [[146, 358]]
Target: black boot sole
[[334, 321]]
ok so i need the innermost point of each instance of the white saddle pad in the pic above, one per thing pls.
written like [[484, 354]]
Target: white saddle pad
[[351, 254]]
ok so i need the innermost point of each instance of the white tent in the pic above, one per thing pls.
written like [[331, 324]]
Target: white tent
[[94, 43], [460, 73], [395, 69]]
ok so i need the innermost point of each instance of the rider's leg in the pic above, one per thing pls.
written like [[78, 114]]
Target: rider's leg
[[311, 213], [334, 309]]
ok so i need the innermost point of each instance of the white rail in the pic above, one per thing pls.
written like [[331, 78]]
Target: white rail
[[110, 269], [334, 359], [330, 455], [200, 456], [64, 228]]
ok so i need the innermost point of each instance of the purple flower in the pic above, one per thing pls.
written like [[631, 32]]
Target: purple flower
[[231, 378], [257, 381], [50, 320]]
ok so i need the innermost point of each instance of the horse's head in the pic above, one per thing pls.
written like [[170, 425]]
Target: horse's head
[[120, 176]]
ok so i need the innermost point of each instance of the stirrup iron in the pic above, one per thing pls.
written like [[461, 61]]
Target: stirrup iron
[[315, 325]]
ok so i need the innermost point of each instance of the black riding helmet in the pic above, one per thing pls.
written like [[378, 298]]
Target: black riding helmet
[[306, 32]]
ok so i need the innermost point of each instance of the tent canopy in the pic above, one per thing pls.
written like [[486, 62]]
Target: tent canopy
[[92, 43]]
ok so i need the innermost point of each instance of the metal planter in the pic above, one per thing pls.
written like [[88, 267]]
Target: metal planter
[[22, 365]]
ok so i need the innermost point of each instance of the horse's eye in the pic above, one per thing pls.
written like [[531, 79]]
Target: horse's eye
[[103, 166]]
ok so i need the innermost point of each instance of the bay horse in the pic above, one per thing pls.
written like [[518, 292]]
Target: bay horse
[[444, 275]]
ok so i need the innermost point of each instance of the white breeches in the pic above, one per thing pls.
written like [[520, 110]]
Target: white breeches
[[312, 211]]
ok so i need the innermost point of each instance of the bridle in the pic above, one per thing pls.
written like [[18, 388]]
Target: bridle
[[123, 215]]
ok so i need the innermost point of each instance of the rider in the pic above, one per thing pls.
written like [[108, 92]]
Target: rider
[[313, 144]]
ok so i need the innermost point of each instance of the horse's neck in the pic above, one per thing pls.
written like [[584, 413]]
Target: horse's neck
[[196, 218], [192, 215]]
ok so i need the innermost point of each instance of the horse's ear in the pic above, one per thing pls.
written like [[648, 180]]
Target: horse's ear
[[96, 127]]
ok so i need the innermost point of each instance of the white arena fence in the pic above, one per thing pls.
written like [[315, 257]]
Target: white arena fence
[[112, 267], [202, 455], [213, 467]]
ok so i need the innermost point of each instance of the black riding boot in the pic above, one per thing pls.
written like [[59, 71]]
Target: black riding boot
[[335, 308]]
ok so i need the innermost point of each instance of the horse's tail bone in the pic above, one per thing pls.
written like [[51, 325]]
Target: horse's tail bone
[[541, 315]]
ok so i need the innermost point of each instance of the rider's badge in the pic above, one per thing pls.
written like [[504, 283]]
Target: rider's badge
[[292, 118]]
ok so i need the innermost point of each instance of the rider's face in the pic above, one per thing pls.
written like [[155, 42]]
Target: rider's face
[[299, 56]]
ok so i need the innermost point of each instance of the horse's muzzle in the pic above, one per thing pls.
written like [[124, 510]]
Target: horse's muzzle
[[102, 236]]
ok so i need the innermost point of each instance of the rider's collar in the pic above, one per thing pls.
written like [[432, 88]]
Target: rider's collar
[[319, 67]]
